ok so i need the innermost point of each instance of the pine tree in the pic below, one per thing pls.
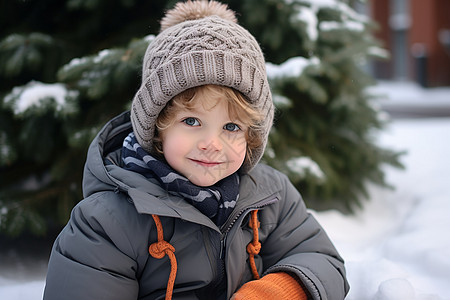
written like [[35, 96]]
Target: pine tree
[[66, 68], [324, 133], [69, 66]]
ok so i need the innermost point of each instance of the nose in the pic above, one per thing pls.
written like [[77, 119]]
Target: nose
[[210, 142]]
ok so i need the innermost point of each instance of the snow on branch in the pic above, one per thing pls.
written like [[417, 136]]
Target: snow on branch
[[346, 11], [347, 25], [36, 95], [293, 67], [307, 11], [305, 165]]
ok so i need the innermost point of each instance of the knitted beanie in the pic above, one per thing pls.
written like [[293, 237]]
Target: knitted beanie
[[200, 43]]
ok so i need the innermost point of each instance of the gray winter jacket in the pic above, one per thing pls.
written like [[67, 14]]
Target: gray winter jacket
[[102, 253]]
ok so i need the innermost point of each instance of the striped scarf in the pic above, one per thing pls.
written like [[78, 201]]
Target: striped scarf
[[216, 202]]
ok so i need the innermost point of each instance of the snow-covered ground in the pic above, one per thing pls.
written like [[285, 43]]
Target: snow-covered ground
[[397, 246]]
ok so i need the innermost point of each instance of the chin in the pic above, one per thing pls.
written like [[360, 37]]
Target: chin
[[204, 183]]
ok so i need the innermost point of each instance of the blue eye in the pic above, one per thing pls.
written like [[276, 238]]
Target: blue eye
[[231, 127], [191, 121]]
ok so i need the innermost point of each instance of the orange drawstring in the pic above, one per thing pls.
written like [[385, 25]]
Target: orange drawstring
[[254, 247], [161, 248]]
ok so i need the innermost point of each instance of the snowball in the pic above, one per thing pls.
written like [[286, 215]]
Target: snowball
[[396, 288]]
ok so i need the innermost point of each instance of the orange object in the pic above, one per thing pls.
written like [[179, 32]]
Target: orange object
[[254, 247], [160, 249], [277, 286], [274, 286]]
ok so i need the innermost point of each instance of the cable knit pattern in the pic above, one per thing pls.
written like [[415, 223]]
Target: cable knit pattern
[[209, 50]]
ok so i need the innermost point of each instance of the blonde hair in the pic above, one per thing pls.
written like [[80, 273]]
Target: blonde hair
[[238, 109]]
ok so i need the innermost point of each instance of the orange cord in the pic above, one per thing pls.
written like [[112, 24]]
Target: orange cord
[[254, 247], [161, 248]]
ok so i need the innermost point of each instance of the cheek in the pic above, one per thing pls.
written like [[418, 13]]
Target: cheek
[[173, 146], [237, 147]]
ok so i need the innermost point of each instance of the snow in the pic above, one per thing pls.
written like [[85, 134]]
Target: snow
[[35, 93], [18, 290], [411, 99], [349, 25], [149, 38], [281, 101], [293, 67], [305, 165], [307, 13], [396, 245], [74, 63], [309, 17], [102, 55], [378, 52]]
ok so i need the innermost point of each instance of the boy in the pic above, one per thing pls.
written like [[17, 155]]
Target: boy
[[176, 204]]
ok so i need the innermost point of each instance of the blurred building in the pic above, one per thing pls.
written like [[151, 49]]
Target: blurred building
[[417, 35]]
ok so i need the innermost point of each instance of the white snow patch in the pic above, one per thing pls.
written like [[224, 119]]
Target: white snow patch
[[293, 67], [101, 55], [11, 290], [149, 38], [305, 165], [348, 25], [309, 17], [34, 93], [75, 62]]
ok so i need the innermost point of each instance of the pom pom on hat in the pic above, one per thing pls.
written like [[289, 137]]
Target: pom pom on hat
[[200, 43], [193, 10]]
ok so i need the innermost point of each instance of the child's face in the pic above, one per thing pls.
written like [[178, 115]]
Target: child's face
[[204, 144]]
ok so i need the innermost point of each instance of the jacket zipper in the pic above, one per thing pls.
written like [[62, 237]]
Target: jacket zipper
[[223, 245], [222, 275], [223, 240]]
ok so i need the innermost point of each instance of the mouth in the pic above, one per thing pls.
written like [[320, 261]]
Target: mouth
[[205, 163]]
